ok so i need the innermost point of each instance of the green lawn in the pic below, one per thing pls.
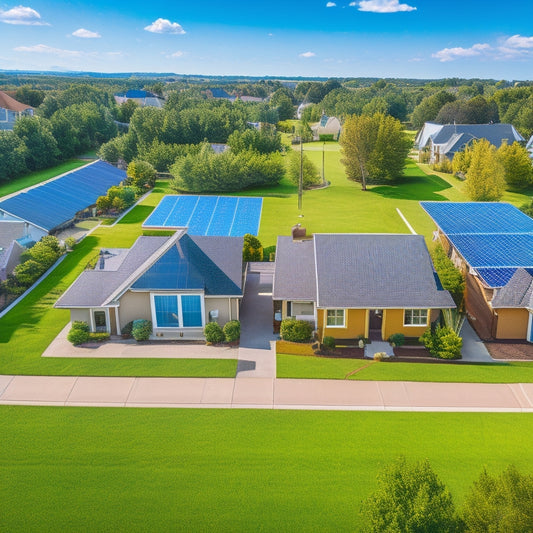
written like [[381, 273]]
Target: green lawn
[[29, 328], [295, 366], [37, 177], [85, 469]]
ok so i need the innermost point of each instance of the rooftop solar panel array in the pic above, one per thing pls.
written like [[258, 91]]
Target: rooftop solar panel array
[[494, 238], [208, 215], [56, 202]]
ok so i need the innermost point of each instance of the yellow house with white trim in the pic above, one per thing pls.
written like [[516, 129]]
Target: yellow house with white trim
[[358, 285]]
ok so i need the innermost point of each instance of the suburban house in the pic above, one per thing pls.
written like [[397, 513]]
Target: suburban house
[[351, 285], [14, 239], [141, 98], [219, 93], [327, 126], [179, 283], [492, 244], [438, 141], [11, 110]]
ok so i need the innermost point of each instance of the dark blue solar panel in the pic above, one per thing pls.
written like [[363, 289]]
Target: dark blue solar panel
[[478, 217], [496, 277], [208, 215], [58, 201], [500, 250]]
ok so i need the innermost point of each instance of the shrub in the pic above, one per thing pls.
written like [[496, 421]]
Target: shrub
[[98, 337], [269, 253], [443, 343], [80, 324], [70, 243], [214, 333], [126, 330], [295, 330], [397, 339], [329, 342], [362, 339], [444, 165], [141, 329], [232, 330], [379, 356], [77, 336], [326, 137]]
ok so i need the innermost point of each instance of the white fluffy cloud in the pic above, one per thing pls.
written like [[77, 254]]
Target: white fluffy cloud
[[331, 4], [86, 34], [22, 15], [307, 54], [382, 6], [179, 53], [165, 26], [450, 54], [45, 49]]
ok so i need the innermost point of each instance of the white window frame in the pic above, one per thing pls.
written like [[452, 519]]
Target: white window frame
[[343, 325], [180, 313], [419, 311]]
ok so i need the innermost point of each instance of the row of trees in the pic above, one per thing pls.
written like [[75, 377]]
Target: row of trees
[[410, 498]]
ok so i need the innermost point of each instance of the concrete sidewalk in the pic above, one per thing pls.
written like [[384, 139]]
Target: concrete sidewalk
[[264, 393]]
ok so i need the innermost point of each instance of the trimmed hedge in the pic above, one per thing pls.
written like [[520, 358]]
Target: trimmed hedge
[[329, 342], [214, 333], [77, 336], [296, 330], [232, 330], [141, 329]]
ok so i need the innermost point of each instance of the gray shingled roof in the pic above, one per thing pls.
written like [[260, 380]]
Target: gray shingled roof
[[494, 133], [517, 293], [294, 275], [376, 271], [213, 264], [363, 271], [93, 287]]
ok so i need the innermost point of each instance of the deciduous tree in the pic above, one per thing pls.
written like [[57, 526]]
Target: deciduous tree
[[485, 182], [517, 167]]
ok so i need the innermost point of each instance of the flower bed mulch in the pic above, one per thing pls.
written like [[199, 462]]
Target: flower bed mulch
[[510, 351]]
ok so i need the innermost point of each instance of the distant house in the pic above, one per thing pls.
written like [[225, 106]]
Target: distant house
[[436, 141], [179, 283], [141, 98], [492, 244], [11, 110], [327, 126], [13, 241], [351, 285], [219, 93]]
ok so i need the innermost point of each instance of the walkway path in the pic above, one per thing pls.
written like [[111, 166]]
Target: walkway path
[[473, 350], [265, 393]]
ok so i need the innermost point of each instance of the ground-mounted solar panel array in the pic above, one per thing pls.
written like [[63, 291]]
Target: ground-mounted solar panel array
[[231, 216], [494, 238], [56, 202]]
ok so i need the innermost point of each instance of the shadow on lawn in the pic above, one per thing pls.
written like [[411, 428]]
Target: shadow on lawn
[[414, 188]]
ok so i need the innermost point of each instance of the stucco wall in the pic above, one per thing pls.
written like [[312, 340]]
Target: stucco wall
[[355, 322], [223, 306], [512, 323], [134, 305], [393, 323], [83, 315]]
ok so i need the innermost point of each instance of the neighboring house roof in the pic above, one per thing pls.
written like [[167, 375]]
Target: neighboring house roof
[[365, 271], [55, 202], [220, 93], [327, 125], [179, 262], [11, 230], [517, 293], [294, 277], [494, 238], [423, 136], [7, 102]]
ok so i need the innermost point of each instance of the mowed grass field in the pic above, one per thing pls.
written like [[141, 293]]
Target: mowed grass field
[[135, 470]]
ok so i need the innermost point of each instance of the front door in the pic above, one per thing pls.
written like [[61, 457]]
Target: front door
[[100, 323], [374, 324]]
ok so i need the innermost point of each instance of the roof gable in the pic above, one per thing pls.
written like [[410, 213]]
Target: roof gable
[[7, 102], [518, 292]]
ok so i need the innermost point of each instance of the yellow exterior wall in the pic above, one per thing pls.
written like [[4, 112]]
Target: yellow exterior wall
[[512, 323], [355, 321], [393, 323]]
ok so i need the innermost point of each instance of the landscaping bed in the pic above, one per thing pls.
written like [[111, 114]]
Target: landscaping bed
[[510, 351]]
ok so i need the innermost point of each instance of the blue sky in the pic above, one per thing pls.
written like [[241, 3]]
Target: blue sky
[[383, 38]]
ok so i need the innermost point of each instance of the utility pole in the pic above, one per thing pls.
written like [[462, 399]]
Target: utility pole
[[323, 167], [301, 180]]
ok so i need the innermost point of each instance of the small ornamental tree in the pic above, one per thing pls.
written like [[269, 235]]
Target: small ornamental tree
[[141, 174], [310, 174], [443, 343], [485, 178], [252, 248], [410, 498]]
